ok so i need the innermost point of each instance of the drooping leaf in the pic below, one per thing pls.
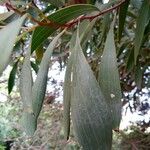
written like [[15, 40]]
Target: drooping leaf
[[142, 21], [26, 81], [7, 41], [67, 99], [109, 78], [105, 27], [122, 16], [85, 30], [89, 110], [60, 17], [28, 120], [11, 80], [130, 60], [39, 86], [39, 53]]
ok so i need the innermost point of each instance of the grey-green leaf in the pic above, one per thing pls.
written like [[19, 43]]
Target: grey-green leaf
[[109, 78], [7, 41], [122, 16], [26, 82], [28, 119], [89, 110], [142, 21], [39, 86], [67, 98]]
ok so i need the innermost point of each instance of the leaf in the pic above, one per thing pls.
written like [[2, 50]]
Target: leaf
[[109, 78], [105, 27], [122, 16], [7, 41], [130, 60], [67, 99], [11, 80], [39, 53], [26, 81], [89, 110], [39, 86], [4, 16], [142, 21], [28, 118], [61, 17], [85, 30]]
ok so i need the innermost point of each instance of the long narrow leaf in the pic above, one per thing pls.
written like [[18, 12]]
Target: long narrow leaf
[[28, 118], [11, 80], [39, 87], [142, 21], [122, 16], [67, 98], [109, 78], [61, 16], [89, 110], [7, 41]]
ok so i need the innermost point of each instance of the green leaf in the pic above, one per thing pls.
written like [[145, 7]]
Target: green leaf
[[142, 21], [39, 86], [89, 111], [130, 60], [7, 41], [122, 16], [61, 16], [109, 78], [11, 80]]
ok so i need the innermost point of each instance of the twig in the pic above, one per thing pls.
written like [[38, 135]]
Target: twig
[[97, 15], [68, 25]]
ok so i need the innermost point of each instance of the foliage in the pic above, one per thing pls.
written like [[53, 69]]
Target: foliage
[[7, 121], [112, 49]]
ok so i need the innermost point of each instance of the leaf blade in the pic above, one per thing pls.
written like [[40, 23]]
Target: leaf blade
[[142, 21], [28, 120], [122, 16], [11, 80], [7, 41], [88, 106], [61, 17], [109, 82], [39, 86]]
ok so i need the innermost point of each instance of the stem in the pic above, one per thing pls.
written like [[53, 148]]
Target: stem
[[97, 15], [67, 25]]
